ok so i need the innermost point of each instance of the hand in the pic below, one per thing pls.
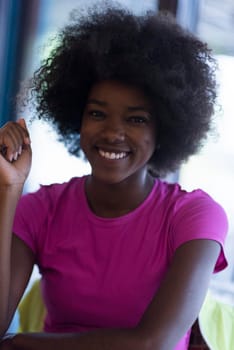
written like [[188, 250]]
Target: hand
[[15, 153]]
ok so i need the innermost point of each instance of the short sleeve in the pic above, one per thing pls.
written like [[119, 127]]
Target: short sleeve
[[30, 216], [198, 216]]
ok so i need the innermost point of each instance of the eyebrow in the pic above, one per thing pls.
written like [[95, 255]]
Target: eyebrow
[[97, 102], [130, 108]]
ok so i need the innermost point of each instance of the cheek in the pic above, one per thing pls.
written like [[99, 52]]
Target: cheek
[[87, 137], [85, 129], [153, 138], [150, 142]]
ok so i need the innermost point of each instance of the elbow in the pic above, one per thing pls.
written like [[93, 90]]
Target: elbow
[[148, 339], [144, 340], [148, 344]]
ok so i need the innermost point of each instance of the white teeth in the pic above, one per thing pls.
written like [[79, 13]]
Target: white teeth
[[112, 155]]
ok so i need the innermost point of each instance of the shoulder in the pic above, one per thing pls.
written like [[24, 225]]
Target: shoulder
[[36, 211], [53, 192], [182, 208], [48, 198], [182, 201], [196, 216], [199, 206], [192, 215]]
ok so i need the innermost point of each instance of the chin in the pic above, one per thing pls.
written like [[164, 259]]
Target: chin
[[109, 180]]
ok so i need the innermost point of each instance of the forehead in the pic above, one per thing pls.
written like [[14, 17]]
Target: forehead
[[111, 91]]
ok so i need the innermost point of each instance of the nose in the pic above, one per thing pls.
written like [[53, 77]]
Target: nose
[[113, 131]]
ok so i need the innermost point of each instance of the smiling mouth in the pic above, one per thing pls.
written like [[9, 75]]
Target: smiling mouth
[[112, 155]]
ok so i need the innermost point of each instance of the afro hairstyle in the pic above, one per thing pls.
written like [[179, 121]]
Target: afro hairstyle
[[151, 51]]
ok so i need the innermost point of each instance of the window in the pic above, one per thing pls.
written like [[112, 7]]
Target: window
[[213, 169]]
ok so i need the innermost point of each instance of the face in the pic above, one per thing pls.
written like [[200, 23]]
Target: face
[[117, 132]]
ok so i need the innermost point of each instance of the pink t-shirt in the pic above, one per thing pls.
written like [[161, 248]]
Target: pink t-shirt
[[103, 272]]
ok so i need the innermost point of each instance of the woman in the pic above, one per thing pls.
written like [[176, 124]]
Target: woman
[[125, 258]]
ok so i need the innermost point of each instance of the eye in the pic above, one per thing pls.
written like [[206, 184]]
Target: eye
[[96, 114], [138, 119]]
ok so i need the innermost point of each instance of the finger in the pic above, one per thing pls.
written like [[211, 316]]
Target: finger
[[22, 123], [8, 146], [12, 140], [14, 137], [3, 151]]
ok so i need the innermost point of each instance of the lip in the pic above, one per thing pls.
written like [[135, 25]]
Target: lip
[[112, 154], [107, 148]]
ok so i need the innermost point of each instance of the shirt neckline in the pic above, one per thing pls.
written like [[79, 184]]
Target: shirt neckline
[[120, 219]]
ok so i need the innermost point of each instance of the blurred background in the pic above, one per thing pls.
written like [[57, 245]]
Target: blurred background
[[25, 29]]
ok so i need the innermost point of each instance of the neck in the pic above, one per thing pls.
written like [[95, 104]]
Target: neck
[[113, 200]]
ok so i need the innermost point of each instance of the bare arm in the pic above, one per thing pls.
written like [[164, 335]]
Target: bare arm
[[181, 295], [170, 314], [15, 259]]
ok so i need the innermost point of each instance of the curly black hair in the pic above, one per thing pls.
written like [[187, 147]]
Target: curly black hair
[[173, 68]]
